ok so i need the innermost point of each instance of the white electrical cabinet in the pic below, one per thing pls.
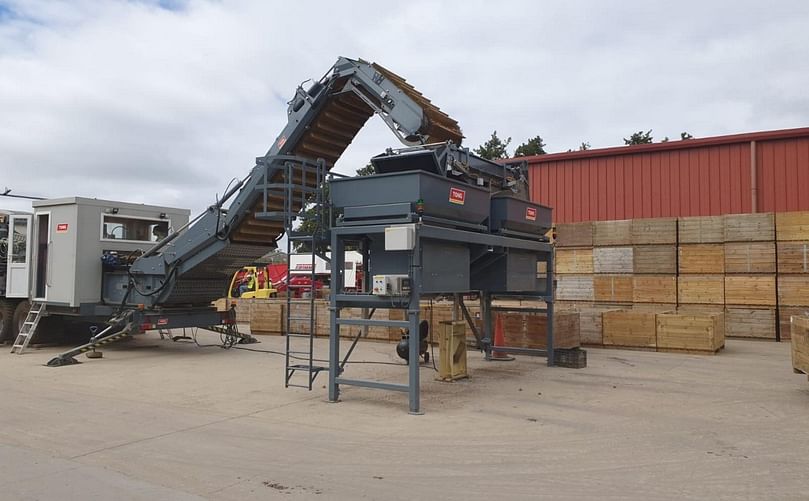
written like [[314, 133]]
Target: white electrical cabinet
[[391, 285], [400, 237]]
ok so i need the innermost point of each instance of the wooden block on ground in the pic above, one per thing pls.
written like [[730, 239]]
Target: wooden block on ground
[[701, 230], [785, 313], [750, 227], [800, 344], [654, 289], [793, 257], [793, 290], [691, 333], [750, 290], [612, 288], [656, 259], [792, 226], [758, 323], [612, 233], [701, 258], [630, 329], [701, 289], [612, 260], [573, 261], [661, 230], [574, 234], [574, 287], [752, 257]]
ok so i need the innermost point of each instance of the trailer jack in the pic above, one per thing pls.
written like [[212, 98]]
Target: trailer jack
[[114, 332]]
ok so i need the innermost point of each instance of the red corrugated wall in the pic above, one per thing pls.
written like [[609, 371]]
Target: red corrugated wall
[[712, 177]]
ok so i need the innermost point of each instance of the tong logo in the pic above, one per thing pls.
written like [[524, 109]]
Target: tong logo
[[61, 228], [457, 196], [531, 213]]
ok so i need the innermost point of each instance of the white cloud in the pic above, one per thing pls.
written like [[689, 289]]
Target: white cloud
[[131, 101]]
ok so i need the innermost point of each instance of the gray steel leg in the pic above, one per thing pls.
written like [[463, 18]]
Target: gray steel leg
[[334, 329], [415, 340], [486, 315], [549, 306]]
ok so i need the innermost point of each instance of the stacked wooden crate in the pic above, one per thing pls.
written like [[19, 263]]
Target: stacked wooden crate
[[792, 248], [612, 262], [750, 299], [654, 248], [701, 264]]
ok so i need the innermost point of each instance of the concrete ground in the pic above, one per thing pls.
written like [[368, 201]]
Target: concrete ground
[[161, 420]]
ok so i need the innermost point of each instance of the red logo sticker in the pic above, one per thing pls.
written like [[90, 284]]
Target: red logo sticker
[[457, 196], [531, 213], [163, 321], [282, 141], [61, 228]]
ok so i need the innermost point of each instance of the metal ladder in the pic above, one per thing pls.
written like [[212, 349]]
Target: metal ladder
[[28, 328], [301, 312]]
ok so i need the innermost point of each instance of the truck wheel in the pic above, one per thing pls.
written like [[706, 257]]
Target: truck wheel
[[6, 321], [19, 315]]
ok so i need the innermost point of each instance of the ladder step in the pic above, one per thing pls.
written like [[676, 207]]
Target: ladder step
[[292, 352], [298, 386], [17, 346], [298, 334], [307, 368], [300, 318]]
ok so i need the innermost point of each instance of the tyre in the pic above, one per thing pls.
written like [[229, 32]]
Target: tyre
[[6, 321], [20, 312]]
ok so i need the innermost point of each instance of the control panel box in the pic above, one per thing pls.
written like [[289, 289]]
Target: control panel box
[[391, 285]]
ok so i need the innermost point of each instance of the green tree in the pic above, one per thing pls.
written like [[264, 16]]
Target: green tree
[[534, 146], [584, 146], [639, 137], [685, 135], [493, 149]]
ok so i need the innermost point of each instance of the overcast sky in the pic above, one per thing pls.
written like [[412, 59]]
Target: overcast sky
[[165, 102]]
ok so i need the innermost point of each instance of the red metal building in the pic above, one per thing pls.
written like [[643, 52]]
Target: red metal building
[[755, 172]]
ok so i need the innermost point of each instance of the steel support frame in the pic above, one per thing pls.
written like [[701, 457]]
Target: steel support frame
[[340, 299]]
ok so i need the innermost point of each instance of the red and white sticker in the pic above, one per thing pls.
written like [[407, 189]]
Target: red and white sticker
[[61, 228], [162, 321], [457, 196], [531, 213], [282, 141]]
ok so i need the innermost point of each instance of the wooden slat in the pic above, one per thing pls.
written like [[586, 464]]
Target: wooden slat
[[750, 290], [656, 259], [792, 226], [800, 344], [574, 234], [785, 313], [749, 227], [701, 289], [793, 257], [793, 290], [612, 233], [758, 323], [612, 260], [701, 258], [701, 230], [574, 287], [612, 288], [654, 289], [753, 257], [654, 231], [575, 261]]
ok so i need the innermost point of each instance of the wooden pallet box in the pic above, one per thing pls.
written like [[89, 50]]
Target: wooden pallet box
[[574, 234], [701, 258], [590, 320], [792, 226], [793, 290], [750, 290], [793, 257], [701, 289], [612, 260], [661, 230], [566, 330], [701, 230], [630, 329], [612, 233], [750, 257], [573, 261], [574, 287], [692, 333], [785, 313], [612, 288], [654, 259], [750, 227], [654, 289], [758, 323], [800, 344], [267, 317]]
